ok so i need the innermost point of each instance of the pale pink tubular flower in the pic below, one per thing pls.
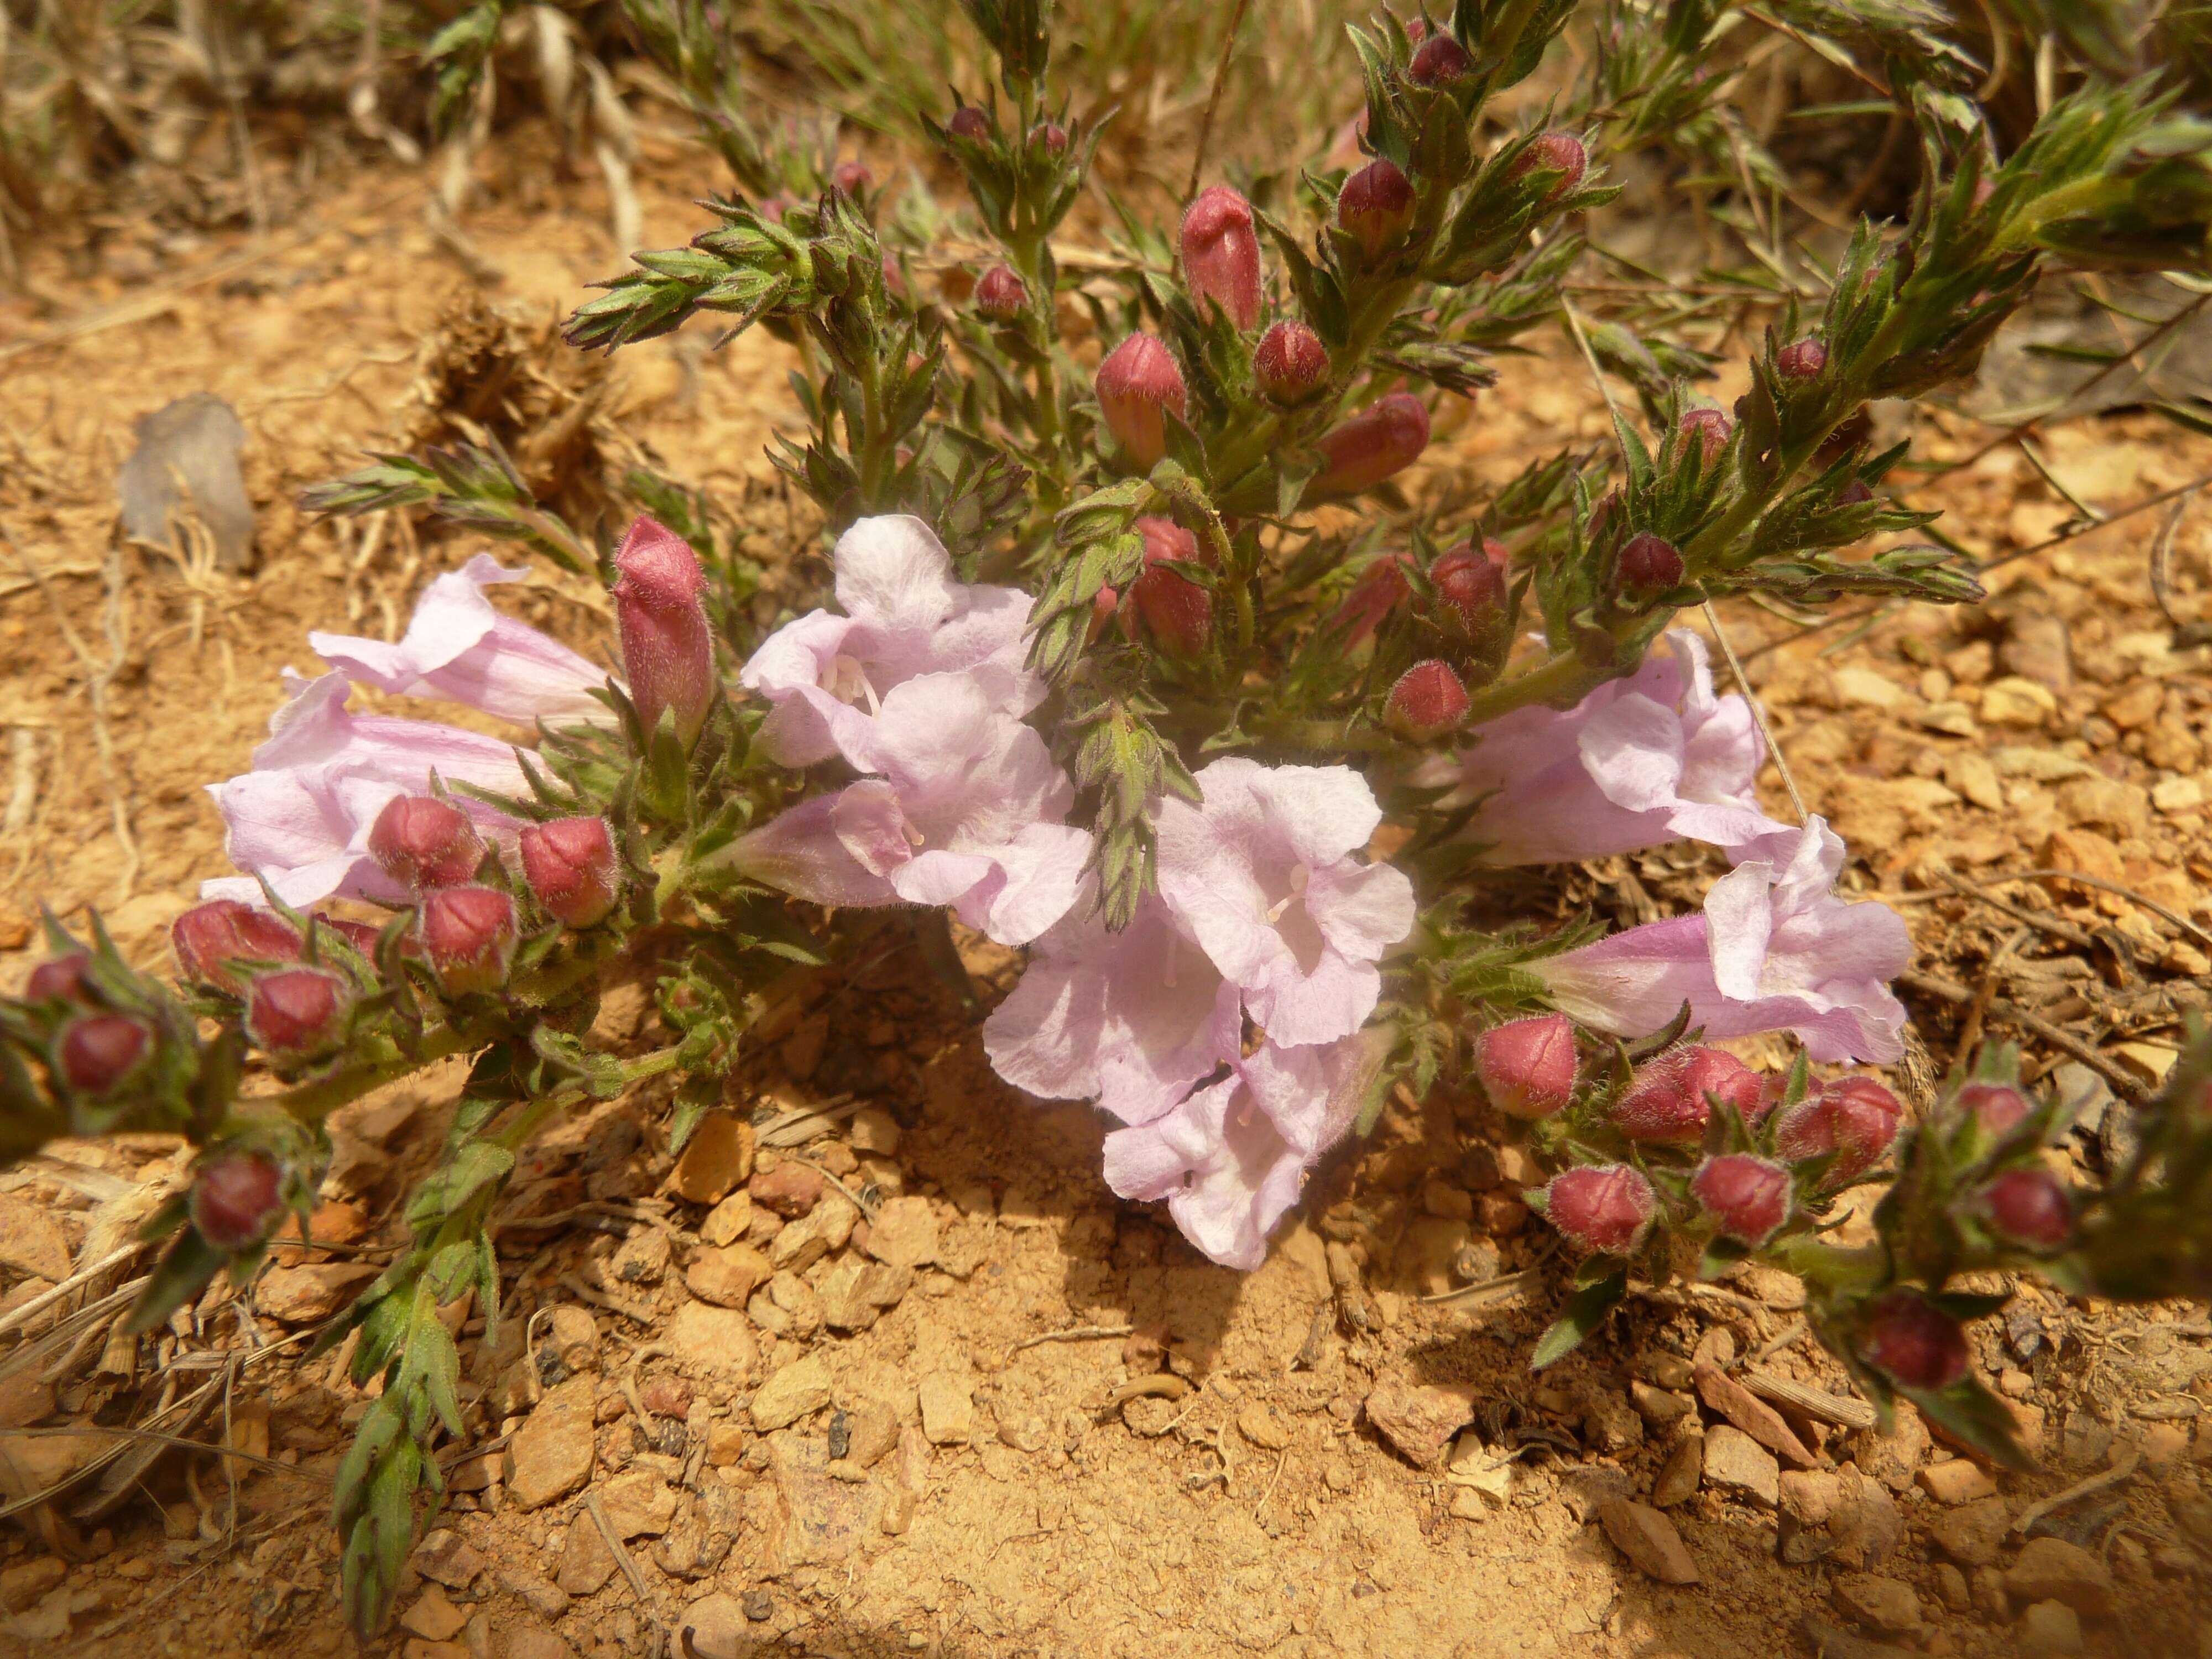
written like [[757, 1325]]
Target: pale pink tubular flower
[[1649, 759], [965, 811], [458, 648], [826, 675], [1230, 1159], [1132, 1018], [1265, 876], [301, 817], [1774, 950]]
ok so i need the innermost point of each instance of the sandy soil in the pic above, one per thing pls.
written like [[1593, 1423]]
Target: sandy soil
[[1195, 1462]]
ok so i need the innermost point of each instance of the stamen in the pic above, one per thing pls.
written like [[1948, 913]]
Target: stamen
[[1299, 876]]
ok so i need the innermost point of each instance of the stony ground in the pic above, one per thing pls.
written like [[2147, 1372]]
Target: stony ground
[[878, 1366]]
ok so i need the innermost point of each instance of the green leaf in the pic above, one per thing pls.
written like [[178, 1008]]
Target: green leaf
[[1584, 1312]]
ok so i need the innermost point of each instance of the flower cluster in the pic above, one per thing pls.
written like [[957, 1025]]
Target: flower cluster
[[1267, 914], [920, 688]]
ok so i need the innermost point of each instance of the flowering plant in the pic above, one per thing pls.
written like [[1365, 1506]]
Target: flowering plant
[[1138, 658]]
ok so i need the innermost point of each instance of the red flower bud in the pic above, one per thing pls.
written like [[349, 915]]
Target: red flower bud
[[1919, 1345], [1667, 1101], [1376, 206], [1998, 1108], [237, 1200], [1427, 700], [1001, 295], [1221, 255], [468, 933], [1527, 1066], [63, 979], [1289, 364], [1380, 589], [425, 842], [1177, 611], [1103, 604], [852, 177], [1553, 152], [1138, 379], [1853, 494], [970, 123], [1049, 137], [1385, 438], [1439, 60], [1601, 1206], [1854, 1117], [1709, 429], [1801, 359], [2031, 1207], [1648, 563], [1746, 1198], [296, 1013], [1471, 590], [98, 1053], [571, 867], [668, 651], [223, 930]]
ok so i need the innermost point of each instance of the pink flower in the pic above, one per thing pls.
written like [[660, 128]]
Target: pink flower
[[1648, 759], [1231, 1158], [826, 675], [302, 816], [458, 649], [965, 810], [1774, 950], [1264, 875], [1132, 1018]]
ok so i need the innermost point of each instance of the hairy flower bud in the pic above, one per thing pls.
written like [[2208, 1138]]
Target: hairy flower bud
[[1175, 611], [2029, 1207], [1650, 563], [1383, 439], [1289, 364], [668, 650], [970, 123], [1439, 60], [1427, 700], [1854, 1117], [97, 1053], [1708, 428], [61, 979], [572, 869], [1138, 379], [1801, 359], [425, 842], [1745, 1198], [1221, 255], [223, 930], [1919, 1345], [467, 934], [1380, 589], [1470, 584], [1997, 1106], [237, 1200], [1527, 1066], [1601, 1206], [1554, 152], [1376, 206], [296, 1013], [852, 177], [1667, 1101], [1001, 295], [1049, 137]]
